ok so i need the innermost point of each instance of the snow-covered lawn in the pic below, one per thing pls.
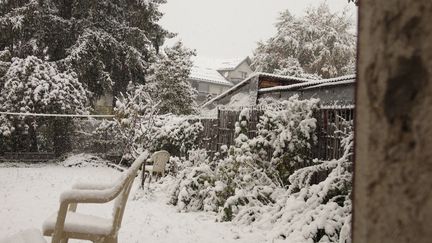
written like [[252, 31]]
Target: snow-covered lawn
[[29, 194]]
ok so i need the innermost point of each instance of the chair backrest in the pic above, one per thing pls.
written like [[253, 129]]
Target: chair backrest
[[160, 158], [127, 180]]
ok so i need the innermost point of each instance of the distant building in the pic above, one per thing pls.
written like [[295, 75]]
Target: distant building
[[236, 71], [212, 78]]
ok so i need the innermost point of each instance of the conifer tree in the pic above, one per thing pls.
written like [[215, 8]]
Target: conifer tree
[[168, 81], [108, 43]]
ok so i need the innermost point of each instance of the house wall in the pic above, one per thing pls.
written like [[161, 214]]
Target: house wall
[[235, 75], [217, 89], [206, 89]]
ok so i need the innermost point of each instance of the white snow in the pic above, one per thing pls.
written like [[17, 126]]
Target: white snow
[[31, 194], [314, 83], [208, 75]]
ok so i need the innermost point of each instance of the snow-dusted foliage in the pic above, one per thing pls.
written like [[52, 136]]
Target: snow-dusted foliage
[[286, 133], [314, 210], [168, 81], [271, 181], [32, 85], [137, 126], [320, 44], [178, 135], [134, 115], [245, 174], [108, 43]]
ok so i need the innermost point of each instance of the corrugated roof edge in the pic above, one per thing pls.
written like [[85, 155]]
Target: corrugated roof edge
[[349, 81], [308, 83], [253, 75]]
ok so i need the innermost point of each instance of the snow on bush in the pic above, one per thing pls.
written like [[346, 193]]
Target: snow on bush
[[317, 211], [127, 129], [246, 173], [32, 85], [177, 135], [271, 181], [137, 127], [286, 133], [36, 86]]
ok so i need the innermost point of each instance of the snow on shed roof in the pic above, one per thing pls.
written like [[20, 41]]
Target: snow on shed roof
[[208, 75], [349, 81], [309, 83], [257, 74], [282, 77]]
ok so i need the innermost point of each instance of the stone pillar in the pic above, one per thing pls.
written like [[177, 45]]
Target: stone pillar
[[393, 168]]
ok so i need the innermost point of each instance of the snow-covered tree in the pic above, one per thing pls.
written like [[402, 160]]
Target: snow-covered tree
[[134, 117], [320, 44], [108, 43], [32, 85], [286, 134], [168, 81]]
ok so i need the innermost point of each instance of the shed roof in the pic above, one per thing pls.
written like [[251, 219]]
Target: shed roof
[[257, 74], [310, 83], [342, 82]]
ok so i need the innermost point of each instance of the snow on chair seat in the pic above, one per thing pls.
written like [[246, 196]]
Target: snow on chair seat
[[68, 224], [80, 224], [25, 236]]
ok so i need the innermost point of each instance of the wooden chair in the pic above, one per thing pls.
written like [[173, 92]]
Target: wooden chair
[[160, 159], [68, 224]]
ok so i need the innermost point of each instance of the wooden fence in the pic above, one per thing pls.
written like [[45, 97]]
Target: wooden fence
[[221, 130]]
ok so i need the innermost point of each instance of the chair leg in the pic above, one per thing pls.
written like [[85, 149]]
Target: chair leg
[[64, 240], [111, 240], [143, 180]]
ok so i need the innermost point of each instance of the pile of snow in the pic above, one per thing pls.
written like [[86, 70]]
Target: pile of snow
[[84, 160]]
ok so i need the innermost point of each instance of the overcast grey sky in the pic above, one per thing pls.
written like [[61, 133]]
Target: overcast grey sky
[[231, 28]]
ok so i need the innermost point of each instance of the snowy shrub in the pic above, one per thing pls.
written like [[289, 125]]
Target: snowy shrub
[[32, 85], [312, 211], [137, 127], [286, 133], [247, 172], [196, 189], [246, 183], [271, 181], [134, 116], [177, 135], [322, 211]]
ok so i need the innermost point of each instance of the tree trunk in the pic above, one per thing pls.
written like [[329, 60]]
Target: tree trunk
[[393, 181]]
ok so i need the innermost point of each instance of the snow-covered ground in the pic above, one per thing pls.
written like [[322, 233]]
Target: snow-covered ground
[[29, 194]]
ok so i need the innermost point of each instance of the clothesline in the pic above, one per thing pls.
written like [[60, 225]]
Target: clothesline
[[55, 115]]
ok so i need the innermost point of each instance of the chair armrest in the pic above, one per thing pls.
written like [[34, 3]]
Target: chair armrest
[[90, 186], [89, 196]]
